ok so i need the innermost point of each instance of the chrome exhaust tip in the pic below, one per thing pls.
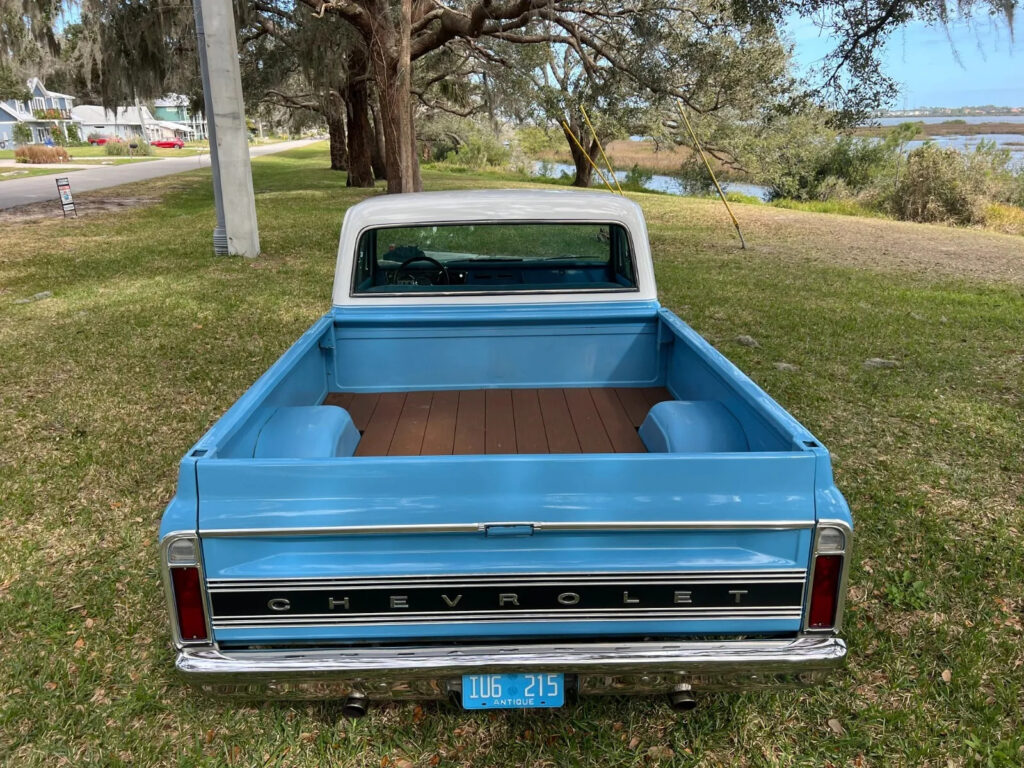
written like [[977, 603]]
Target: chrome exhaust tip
[[682, 700], [355, 706]]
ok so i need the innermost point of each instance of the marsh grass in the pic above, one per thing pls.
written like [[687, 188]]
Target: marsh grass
[[149, 338]]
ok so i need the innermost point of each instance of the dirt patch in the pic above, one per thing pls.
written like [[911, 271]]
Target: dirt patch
[[86, 207], [882, 245]]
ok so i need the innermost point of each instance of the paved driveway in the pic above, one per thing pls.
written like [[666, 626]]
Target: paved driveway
[[14, 192]]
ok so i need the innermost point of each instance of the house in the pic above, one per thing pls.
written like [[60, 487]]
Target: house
[[175, 108], [127, 123], [40, 113]]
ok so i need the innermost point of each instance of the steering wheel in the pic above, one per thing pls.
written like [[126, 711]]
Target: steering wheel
[[442, 270]]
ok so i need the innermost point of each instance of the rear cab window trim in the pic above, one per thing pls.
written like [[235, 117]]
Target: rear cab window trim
[[622, 226]]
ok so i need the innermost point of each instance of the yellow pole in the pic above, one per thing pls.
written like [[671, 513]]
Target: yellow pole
[[593, 133], [721, 194], [576, 141]]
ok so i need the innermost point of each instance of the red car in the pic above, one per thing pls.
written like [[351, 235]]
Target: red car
[[175, 143], [99, 141]]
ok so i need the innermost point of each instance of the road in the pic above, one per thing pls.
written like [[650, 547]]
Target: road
[[14, 192]]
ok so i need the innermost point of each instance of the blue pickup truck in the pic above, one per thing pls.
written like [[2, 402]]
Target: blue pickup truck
[[498, 471]]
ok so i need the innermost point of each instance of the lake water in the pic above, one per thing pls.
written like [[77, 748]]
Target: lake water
[[657, 183]]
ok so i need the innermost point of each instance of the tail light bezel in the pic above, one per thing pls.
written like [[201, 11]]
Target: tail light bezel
[[820, 548], [172, 605]]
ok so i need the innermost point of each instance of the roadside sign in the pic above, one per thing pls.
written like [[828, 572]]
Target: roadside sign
[[67, 202]]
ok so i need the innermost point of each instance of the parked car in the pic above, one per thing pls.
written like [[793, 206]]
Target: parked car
[[99, 141], [175, 143], [498, 470]]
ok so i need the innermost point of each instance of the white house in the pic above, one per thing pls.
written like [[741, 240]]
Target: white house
[[43, 110], [127, 123]]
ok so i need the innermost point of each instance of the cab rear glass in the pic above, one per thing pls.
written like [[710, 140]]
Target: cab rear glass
[[494, 258]]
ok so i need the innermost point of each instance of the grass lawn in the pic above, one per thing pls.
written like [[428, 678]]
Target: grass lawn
[[148, 338]]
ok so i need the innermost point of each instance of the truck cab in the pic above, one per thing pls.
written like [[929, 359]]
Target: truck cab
[[498, 471]]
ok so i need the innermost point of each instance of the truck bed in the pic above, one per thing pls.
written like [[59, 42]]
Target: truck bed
[[500, 421]]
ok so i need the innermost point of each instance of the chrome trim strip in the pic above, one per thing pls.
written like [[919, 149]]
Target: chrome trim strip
[[275, 668], [511, 580], [315, 620], [793, 573], [617, 525]]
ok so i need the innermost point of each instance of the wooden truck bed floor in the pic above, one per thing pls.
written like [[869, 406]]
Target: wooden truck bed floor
[[477, 421]]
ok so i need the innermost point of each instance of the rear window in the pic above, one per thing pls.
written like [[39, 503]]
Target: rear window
[[494, 258]]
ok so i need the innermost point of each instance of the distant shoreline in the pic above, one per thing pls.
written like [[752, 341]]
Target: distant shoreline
[[952, 127]]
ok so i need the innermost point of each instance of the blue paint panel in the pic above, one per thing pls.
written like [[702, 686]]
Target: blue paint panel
[[467, 489], [299, 377], [491, 349], [467, 553], [698, 371]]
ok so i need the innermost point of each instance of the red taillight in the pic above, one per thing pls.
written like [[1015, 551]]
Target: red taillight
[[188, 599], [825, 591]]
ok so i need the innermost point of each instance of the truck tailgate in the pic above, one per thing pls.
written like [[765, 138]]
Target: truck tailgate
[[435, 548]]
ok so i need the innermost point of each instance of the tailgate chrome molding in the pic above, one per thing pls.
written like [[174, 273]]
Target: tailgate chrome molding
[[596, 525], [432, 672]]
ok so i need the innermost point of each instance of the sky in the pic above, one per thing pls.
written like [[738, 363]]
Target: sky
[[924, 61]]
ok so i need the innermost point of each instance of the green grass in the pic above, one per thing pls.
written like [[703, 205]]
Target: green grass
[[840, 207], [27, 171], [148, 338]]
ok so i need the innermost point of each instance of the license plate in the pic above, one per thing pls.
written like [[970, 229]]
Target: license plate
[[518, 691]]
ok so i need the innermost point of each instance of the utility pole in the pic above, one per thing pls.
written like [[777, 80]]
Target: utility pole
[[237, 232]]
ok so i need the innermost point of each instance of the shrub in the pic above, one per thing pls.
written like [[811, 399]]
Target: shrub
[[74, 137], [38, 153], [477, 153], [124, 148], [946, 185], [21, 134], [637, 179], [58, 136]]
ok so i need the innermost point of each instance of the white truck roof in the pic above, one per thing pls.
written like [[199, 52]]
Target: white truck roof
[[493, 206]]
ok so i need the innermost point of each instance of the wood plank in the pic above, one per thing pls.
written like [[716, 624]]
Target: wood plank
[[530, 437], [439, 436], [340, 399], [656, 395], [617, 423], [635, 403], [381, 428], [469, 423], [586, 421], [558, 427], [412, 423], [361, 408], [500, 427]]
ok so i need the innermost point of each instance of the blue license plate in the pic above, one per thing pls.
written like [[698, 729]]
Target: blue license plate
[[513, 691]]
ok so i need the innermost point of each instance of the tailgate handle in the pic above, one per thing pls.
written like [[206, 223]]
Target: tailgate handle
[[507, 529]]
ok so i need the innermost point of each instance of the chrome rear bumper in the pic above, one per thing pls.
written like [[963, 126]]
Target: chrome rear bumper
[[435, 672]]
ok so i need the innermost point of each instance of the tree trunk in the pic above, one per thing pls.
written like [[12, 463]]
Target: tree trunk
[[380, 168], [360, 135], [584, 167], [392, 63], [336, 133]]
